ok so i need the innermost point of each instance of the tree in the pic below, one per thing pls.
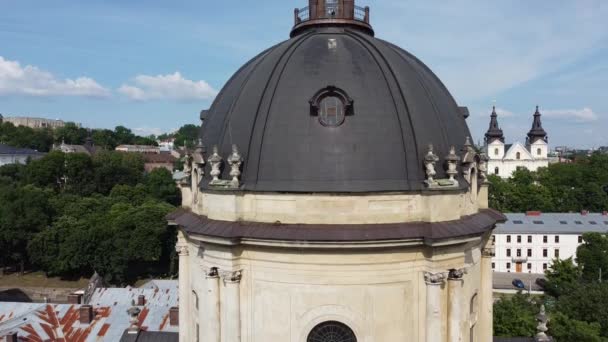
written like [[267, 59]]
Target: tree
[[24, 211], [71, 133], [562, 277], [564, 328], [112, 168], [160, 184], [515, 316], [587, 303], [187, 135], [592, 255]]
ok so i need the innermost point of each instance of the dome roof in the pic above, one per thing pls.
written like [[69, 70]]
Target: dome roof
[[393, 105]]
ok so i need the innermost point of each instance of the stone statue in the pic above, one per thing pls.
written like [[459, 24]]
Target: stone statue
[[452, 162], [429, 163], [542, 320], [216, 161], [235, 162]]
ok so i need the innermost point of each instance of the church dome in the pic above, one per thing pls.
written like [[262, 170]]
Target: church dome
[[333, 109]]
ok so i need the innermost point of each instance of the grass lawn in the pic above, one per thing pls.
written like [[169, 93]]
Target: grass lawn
[[38, 279]]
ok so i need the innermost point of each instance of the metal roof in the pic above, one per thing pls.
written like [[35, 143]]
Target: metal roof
[[553, 223], [6, 149], [40, 321], [399, 107]]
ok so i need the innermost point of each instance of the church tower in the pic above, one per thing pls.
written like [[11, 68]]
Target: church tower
[[494, 138], [537, 142]]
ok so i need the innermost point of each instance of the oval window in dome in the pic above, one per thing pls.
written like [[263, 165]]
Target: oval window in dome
[[331, 111]]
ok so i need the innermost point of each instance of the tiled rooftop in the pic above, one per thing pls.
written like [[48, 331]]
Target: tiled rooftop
[[553, 223]]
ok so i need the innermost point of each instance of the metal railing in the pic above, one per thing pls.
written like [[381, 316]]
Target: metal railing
[[332, 10]]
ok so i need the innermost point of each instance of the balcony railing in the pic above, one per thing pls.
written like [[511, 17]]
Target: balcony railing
[[332, 11]]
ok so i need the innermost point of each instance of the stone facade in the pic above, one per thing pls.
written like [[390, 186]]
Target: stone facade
[[35, 122]]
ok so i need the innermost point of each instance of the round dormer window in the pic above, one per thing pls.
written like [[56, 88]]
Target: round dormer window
[[331, 331], [331, 111]]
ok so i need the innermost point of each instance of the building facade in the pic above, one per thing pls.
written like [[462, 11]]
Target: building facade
[[14, 155], [34, 122], [504, 159], [138, 148], [335, 195], [529, 242]]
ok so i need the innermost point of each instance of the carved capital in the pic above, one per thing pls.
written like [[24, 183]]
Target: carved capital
[[434, 278], [232, 277], [457, 274], [182, 250], [487, 252], [211, 272]]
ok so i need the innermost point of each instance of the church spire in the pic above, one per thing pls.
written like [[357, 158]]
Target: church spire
[[536, 132], [494, 132]]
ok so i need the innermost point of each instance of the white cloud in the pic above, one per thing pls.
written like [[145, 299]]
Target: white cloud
[[31, 81], [580, 115], [503, 113], [167, 87]]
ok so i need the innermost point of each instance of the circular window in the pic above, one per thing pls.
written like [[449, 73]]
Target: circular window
[[331, 111], [331, 332]]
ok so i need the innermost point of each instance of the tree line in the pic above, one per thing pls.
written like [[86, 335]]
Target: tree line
[[561, 187], [42, 139], [72, 214], [575, 297]]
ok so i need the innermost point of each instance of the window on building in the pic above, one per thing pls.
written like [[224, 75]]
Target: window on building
[[331, 331], [496, 171], [545, 253], [563, 222], [529, 252], [545, 239], [556, 238], [508, 265], [580, 239], [331, 111], [508, 238], [518, 156], [545, 266], [538, 151], [495, 151], [518, 222], [518, 252], [529, 238], [557, 253], [578, 222], [493, 265], [592, 222], [529, 266], [508, 252], [518, 238], [493, 240], [538, 222]]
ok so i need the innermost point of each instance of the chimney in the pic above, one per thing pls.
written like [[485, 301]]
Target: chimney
[[74, 298], [605, 213], [141, 300], [584, 212], [174, 316], [533, 213], [86, 314], [12, 337]]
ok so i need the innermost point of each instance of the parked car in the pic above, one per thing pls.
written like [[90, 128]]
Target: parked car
[[518, 283], [542, 282]]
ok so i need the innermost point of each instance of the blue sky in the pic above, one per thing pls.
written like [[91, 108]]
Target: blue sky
[[153, 65]]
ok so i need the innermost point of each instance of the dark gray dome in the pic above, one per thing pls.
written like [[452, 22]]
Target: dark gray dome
[[399, 107]]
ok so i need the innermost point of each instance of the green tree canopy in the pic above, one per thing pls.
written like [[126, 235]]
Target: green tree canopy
[[515, 316]]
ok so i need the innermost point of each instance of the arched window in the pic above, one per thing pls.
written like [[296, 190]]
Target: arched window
[[538, 151], [331, 105], [518, 156], [496, 170], [331, 331], [495, 151]]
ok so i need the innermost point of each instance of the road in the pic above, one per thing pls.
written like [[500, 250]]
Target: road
[[502, 280]]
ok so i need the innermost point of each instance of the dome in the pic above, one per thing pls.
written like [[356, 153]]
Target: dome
[[333, 109]]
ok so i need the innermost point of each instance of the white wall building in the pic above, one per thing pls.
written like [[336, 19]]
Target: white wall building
[[529, 242], [506, 158]]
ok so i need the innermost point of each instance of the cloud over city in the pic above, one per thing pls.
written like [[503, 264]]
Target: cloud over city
[[167, 87], [29, 80], [579, 115]]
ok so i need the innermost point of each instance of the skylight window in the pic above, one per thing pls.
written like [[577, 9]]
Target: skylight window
[[517, 222], [563, 222], [592, 222], [538, 222], [578, 222]]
